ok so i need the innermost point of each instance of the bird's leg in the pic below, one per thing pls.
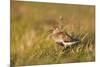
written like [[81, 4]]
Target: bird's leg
[[64, 48]]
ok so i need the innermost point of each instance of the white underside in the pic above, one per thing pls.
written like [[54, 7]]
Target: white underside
[[69, 43]]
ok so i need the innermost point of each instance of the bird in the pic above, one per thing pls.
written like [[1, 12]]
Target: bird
[[63, 39], [60, 37]]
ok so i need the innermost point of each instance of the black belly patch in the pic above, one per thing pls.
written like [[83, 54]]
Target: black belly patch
[[60, 43]]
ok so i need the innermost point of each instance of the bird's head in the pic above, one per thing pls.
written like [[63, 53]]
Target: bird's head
[[54, 30]]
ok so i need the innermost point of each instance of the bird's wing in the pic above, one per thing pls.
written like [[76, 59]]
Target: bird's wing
[[66, 38]]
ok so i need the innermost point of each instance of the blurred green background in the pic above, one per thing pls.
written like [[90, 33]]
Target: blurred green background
[[30, 22]]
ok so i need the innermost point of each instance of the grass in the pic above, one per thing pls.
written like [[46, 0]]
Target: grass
[[30, 23]]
